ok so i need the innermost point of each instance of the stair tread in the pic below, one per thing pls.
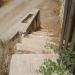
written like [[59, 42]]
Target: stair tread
[[27, 64]]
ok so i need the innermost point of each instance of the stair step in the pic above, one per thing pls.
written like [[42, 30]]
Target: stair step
[[27, 64], [34, 43], [42, 33], [28, 48]]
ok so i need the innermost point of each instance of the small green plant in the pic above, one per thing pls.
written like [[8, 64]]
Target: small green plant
[[48, 45], [48, 67], [68, 57]]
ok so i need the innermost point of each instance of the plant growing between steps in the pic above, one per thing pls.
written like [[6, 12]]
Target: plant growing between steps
[[48, 67], [67, 56], [48, 45]]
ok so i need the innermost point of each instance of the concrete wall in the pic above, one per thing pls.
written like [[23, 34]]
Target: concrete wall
[[62, 11]]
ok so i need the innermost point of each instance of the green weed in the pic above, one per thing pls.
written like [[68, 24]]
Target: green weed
[[48, 67]]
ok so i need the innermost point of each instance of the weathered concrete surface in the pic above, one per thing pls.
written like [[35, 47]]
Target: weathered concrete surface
[[27, 64], [10, 38], [62, 11], [49, 22], [20, 26], [30, 53], [35, 43], [10, 6], [6, 23], [17, 13]]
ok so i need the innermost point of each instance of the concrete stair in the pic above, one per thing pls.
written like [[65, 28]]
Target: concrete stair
[[33, 43], [28, 64], [30, 53]]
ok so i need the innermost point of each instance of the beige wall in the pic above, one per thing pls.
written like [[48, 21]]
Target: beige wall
[[62, 11]]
